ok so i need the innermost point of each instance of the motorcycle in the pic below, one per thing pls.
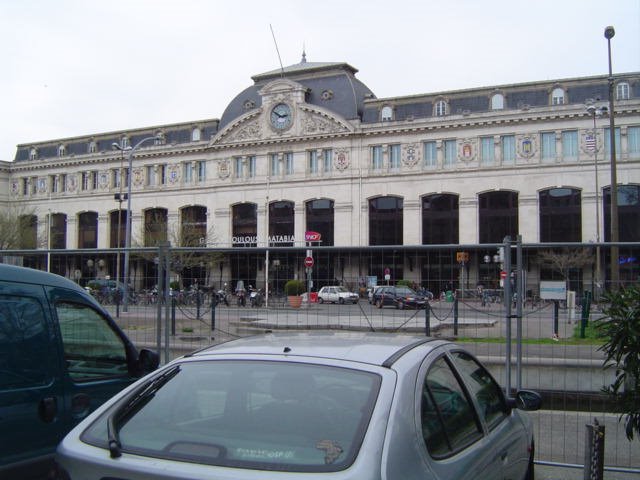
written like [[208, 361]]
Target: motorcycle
[[255, 298], [222, 297], [241, 298]]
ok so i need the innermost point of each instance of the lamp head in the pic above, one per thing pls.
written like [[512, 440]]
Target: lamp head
[[609, 32], [116, 146], [591, 109]]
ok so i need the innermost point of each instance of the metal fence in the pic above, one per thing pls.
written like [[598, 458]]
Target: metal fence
[[492, 301]]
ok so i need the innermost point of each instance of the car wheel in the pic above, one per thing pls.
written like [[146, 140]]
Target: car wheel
[[320, 300], [341, 301]]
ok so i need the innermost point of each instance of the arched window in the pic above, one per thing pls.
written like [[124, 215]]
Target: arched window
[[33, 154], [497, 101], [498, 216], [117, 228], [244, 225], [62, 150], [58, 231], [281, 223], [196, 134], [560, 215], [440, 219], [92, 147], [386, 114], [557, 96], [628, 213], [441, 108], [28, 231], [319, 216], [155, 226], [193, 226], [88, 230], [385, 221], [622, 91]]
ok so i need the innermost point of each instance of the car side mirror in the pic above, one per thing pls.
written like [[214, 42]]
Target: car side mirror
[[148, 361], [526, 400]]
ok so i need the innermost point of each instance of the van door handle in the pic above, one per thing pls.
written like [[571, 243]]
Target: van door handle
[[48, 409]]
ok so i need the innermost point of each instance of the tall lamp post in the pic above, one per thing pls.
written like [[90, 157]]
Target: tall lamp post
[[127, 233], [609, 32], [596, 112]]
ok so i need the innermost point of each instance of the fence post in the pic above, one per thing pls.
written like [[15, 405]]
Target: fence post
[[455, 317], [427, 320], [214, 304], [594, 451], [173, 316], [586, 309], [556, 314]]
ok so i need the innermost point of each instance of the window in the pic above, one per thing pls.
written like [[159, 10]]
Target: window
[[483, 388], [386, 114], [58, 231], [62, 150], [193, 226], [570, 145], [607, 142], [244, 218], [450, 153], [88, 230], [251, 166], [117, 228], [449, 423], [33, 154], [288, 162], [376, 157], [85, 181], [557, 96], [497, 101], [155, 226], [115, 178], [187, 172], [548, 146], [63, 182], [281, 223], [441, 108], [202, 170], [91, 348], [430, 155], [25, 186], [124, 142], [319, 217], [163, 174], [560, 215], [151, 175], [159, 138], [394, 156], [34, 185], [313, 161], [94, 180], [237, 167], [498, 216], [633, 141], [93, 147], [622, 91], [196, 135], [487, 151], [508, 143], [327, 160], [440, 219], [386, 221], [274, 165]]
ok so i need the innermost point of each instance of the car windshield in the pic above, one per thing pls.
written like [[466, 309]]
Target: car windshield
[[263, 415], [342, 290], [404, 291]]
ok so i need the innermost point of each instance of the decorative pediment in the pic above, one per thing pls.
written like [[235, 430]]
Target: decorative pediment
[[247, 128], [317, 121]]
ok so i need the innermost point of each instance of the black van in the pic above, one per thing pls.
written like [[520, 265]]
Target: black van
[[61, 356]]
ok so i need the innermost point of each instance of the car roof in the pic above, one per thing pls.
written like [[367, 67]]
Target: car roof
[[12, 273], [364, 347]]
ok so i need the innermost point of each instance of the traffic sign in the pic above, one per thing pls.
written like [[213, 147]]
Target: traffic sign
[[308, 262], [503, 274]]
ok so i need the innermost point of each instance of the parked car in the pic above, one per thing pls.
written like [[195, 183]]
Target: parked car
[[61, 356], [349, 405], [337, 294], [398, 296]]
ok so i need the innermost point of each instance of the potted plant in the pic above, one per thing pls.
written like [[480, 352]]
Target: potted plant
[[294, 289]]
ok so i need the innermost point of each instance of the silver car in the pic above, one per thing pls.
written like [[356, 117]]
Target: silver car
[[337, 294], [348, 405]]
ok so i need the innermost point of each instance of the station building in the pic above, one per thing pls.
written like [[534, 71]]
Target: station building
[[309, 153]]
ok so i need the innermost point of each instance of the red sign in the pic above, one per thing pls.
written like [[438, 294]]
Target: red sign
[[308, 262], [312, 236], [503, 275]]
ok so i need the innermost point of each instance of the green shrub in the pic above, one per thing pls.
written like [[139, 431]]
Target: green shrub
[[294, 287], [174, 285], [404, 283]]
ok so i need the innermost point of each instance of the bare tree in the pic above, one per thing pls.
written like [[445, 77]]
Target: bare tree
[[18, 228], [566, 259]]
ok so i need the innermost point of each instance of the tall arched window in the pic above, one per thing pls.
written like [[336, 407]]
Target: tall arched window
[[117, 228], [622, 91], [441, 108], [497, 101], [319, 215], [440, 219], [498, 216], [244, 225], [560, 215], [281, 223], [628, 213], [193, 226], [155, 226], [557, 96], [28, 231], [386, 114], [385, 221], [58, 231], [88, 230]]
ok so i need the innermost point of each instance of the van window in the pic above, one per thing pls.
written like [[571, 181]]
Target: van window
[[24, 343], [91, 348]]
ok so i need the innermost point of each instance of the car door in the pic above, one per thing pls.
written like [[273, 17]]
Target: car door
[[504, 428], [31, 402], [97, 356], [454, 441]]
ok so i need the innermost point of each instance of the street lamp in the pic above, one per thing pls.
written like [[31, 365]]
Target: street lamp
[[596, 112], [609, 32], [127, 233]]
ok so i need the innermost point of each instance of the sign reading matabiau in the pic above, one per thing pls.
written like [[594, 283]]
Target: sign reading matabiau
[[553, 290]]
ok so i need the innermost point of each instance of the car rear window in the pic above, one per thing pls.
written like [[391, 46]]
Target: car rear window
[[279, 416]]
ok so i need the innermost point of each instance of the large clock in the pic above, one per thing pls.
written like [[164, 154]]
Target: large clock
[[281, 116]]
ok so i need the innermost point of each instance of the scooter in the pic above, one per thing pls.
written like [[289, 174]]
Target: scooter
[[242, 300], [255, 298], [222, 297]]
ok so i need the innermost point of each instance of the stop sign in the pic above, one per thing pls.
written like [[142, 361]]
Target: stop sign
[[308, 262]]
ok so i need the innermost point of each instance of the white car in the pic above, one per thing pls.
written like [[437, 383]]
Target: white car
[[336, 294]]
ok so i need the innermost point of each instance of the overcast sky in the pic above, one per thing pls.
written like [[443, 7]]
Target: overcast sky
[[77, 67]]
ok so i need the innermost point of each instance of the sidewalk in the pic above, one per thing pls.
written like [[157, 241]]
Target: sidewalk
[[549, 472]]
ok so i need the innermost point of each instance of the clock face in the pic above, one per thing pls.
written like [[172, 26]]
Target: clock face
[[281, 116]]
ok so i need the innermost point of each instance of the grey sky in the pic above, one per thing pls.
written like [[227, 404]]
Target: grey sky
[[77, 67]]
